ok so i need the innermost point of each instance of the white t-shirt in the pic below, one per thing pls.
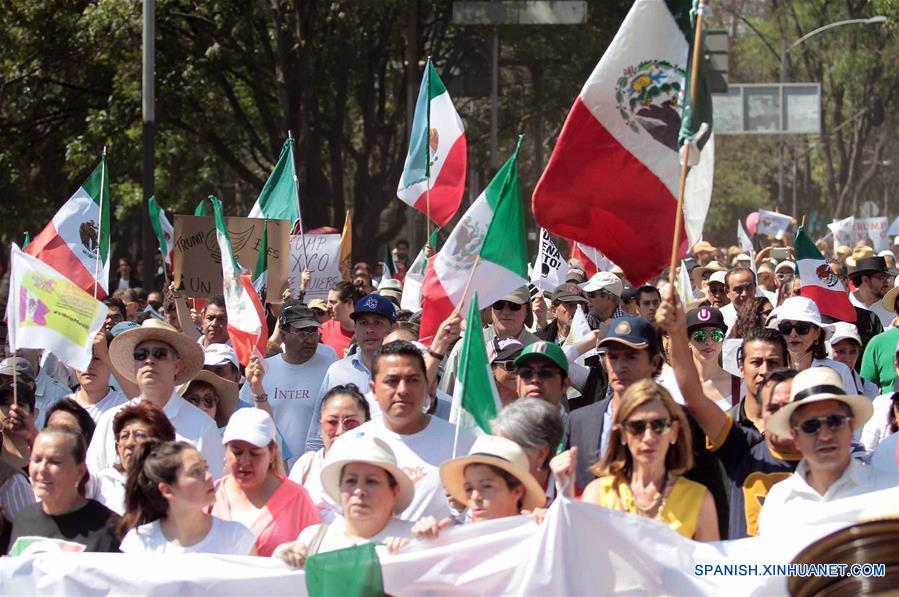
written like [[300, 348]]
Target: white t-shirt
[[108, 488], [225, 537], [112, 399], [878, 426], [292, 393], [420, 456], [336, 537], [191, 425]]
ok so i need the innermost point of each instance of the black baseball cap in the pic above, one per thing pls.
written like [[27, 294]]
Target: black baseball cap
[[298, 316], [705, 317], [635, 332]]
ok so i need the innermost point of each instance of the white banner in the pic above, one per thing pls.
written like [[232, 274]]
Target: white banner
[[843, 232], [874, 229], [580, 549], [773, 224], [323, 252], [550, 268]]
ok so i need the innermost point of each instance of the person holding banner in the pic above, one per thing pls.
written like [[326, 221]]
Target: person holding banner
[[169, 487]]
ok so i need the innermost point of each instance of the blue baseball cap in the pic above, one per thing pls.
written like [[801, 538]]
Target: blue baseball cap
[[635, 332], [377, 304]]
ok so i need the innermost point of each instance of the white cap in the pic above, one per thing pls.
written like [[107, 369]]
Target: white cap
[[800, 308], [390, 284], [604, 281], [786, 264], [844, 331], [219, 354], [886, 253], [719, 277], [742, 257], [250, 425]]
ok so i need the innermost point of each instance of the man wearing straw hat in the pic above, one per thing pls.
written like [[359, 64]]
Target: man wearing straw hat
[[822, 419], [420, 441], [157, 358]]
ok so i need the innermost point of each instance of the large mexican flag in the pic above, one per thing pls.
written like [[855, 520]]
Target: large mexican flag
[[493, 227], [78, 235], [819, 283], [613, 178]]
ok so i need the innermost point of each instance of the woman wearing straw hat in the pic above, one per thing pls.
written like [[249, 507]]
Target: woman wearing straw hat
[[493, 481], [360, 474], [214, 395], [255, 493], [799, 321], [642, 470]]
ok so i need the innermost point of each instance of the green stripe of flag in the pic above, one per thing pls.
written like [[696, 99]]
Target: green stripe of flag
[[479, 396], [505, 242], [92, 185]]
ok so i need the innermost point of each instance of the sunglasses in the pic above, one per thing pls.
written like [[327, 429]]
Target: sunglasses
[[306, 333], [529, 373], [208, 401], [500, 305], [638, 428], [700, 336], [331, 426], [813, 426], [598, 294], [507, 365], [158, 352], [802, 327]]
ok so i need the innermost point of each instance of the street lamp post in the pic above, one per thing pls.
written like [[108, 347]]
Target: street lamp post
[[784, 76]]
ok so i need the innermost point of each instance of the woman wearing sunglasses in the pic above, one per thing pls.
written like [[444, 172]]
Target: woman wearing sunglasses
[[799, 321], [706, 330], [343, 408], [642, 470], [214, 395]]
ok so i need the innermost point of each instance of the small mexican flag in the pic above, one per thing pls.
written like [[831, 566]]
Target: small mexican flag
[[79, 234], [279, 199], [164, 231], [493, 227], [246, 319], [819, 283], [433, 180], [475, 398]]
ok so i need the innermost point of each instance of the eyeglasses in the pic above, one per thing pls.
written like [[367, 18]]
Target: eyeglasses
[[813, 426], [786, 327], [138, 436], [305, 333], [158, 352], [701, 336], [506, 365], [331, 426], [208, 401], [500, 305], [638, 428], [529, 373]]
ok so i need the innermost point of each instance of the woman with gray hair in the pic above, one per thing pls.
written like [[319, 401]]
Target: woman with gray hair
[[537, 427]]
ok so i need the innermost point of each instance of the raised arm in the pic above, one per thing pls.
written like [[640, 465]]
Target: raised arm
[[670, 317]]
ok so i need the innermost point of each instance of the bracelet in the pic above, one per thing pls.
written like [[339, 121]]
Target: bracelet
[[436, 355], [263, 397]]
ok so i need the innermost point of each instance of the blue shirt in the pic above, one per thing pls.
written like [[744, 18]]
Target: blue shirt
[[349, 369]]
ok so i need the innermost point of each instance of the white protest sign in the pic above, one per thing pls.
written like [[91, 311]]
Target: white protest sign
[[323, 252], [550, 268], [843, 231], [773, 224], [874, 229]]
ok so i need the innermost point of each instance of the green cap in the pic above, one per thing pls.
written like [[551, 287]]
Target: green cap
[[549, 351]]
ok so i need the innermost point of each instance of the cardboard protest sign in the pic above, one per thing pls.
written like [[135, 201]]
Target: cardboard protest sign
[[198, 261], [323, 253], [874, 229]]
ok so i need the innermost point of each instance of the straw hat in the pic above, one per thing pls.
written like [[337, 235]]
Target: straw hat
[[121, 349], [703, 246], [358, 447], [499, 452], [226, 391], [889, 299], [800, 308], [818, 384], [699, 271]]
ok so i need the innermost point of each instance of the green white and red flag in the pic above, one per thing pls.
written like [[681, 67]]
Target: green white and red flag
[[165, 233], [246, 318], [613, 178], [78, 235], [493, 227], [475, 398], [437, 155], [819, 283]]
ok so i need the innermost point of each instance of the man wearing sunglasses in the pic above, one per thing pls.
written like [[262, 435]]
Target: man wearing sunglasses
[[603, 290], [822, 418], [511, 315], [542, 370], [501, 353], [157, 358], [752, 461], [872, 281]]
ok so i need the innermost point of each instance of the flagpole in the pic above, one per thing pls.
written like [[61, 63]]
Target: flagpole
[[685, 164], [13, 323], [100, 225], [296, 185]]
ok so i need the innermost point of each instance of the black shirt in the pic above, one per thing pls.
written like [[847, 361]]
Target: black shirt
[[90, 528]]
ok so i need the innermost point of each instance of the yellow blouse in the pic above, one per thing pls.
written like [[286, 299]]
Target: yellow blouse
[[680, 510]]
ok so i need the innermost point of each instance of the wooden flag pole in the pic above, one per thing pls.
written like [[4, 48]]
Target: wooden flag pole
[[100, 224], [685, 165]]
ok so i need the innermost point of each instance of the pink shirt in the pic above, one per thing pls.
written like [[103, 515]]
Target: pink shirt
[[288, 511]]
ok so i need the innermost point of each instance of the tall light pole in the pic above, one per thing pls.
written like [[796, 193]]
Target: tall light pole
[[784, 76], [148, 253]]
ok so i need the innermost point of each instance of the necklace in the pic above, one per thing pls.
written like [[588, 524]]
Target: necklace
[[656, 502]]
